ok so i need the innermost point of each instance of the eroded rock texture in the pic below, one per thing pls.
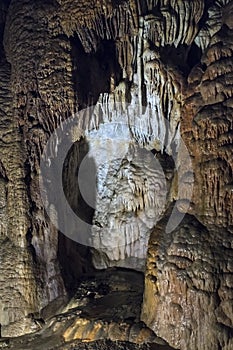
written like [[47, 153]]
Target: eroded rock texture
[[106, 305], [154, 70], [194, 278]]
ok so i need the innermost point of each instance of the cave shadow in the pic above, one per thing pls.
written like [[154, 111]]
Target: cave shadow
[[75, 259], [94, 72]]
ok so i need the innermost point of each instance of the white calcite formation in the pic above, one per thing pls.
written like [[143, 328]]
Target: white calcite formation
[[132, 189], [131, 196]]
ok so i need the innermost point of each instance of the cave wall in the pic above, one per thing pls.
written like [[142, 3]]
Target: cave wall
[[18, 285], [170, 57], [191, 270]]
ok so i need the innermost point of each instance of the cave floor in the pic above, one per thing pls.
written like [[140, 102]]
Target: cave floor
[[104, 313]]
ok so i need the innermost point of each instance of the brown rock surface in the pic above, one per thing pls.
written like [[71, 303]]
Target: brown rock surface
[[199, 311], [106, 305]]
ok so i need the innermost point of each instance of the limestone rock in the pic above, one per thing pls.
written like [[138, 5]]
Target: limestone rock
[[154, 72], [181, 273], [105, 306], [196, 298]]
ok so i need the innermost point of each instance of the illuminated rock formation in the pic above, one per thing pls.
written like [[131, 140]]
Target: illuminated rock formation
[[157, 73]]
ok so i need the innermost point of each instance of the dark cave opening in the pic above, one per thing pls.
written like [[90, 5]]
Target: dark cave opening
[[71, 180], [183, 57], [75, 258], [75, 262], [94, 73], [194, 55]]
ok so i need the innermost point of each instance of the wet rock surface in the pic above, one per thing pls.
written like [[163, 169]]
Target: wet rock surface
[[105, 306]]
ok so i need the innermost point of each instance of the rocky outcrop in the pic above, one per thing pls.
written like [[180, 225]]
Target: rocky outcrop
[[195, 281], [187, 294], [18, 279]]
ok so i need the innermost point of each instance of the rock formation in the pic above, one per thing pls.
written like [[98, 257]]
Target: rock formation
[[141, 90]]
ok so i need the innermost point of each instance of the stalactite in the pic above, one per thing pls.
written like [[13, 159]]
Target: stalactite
[[144, 49], [212, 26]]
